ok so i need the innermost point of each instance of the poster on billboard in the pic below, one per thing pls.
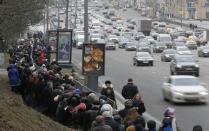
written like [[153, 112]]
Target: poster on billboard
[[52, 40], [64, 46], [93, 59]]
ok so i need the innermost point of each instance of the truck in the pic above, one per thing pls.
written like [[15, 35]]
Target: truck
[[204, 37], [144, 26]]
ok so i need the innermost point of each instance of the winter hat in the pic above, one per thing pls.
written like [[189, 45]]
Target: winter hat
[[140, 120], [82, 106], [100, 119], [197, 128], [139, 127], [107, 114], [131, 128], [151, 124], [169, 112], [92, 97], [77, 91], [106, 107], [167, 122]]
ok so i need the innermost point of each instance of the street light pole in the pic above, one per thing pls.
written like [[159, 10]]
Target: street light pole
[[58, 14], [181, 12], [92, 80], [76, 6], [47, 15], [66, 17]]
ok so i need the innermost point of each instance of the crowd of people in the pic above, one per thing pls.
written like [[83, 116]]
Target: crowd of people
[[44, 87]]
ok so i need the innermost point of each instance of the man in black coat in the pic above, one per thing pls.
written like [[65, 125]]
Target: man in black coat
[[129, 90]]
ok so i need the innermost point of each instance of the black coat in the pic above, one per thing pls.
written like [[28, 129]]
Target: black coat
[[129, 91], [111, 122], [140, 106]]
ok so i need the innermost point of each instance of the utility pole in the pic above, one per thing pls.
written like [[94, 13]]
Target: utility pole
[[47, 15], [92, 80], [76, 6], [44, 21], [66, 17], [58, 14], [181, 12], [70, 2]]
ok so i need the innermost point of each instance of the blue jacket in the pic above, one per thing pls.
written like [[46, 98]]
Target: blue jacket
[[13, 75]]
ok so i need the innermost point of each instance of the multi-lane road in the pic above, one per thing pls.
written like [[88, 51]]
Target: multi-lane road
[[119, 67]]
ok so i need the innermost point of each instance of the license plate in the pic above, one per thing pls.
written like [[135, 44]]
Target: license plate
[[145, 61], [191, 99], [188, 68]]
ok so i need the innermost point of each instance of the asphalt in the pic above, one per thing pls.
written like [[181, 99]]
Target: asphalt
[[119, 68]]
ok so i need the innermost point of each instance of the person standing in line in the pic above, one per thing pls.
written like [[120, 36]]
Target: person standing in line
[[129, 90]]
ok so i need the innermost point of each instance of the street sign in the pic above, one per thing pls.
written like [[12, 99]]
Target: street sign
[[64, 47], [2, 60], [93, 59]]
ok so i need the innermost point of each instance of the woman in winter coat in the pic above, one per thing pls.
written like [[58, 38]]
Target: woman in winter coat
[[138, 104], [107, 90], [14, 77]]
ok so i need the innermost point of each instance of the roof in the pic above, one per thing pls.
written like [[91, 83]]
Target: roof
[[181, 76]]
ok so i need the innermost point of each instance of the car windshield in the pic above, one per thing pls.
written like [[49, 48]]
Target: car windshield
[[160, 44], [185, 59], [143, 55], [185, 82], [180, 43], [206, 48], [165, 39], [182, 49], [169, 51]]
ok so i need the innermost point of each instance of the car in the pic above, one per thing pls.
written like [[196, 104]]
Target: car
[[177, 43], [138, 36], [113, 38], [80, 41], [158, 47], [184, 64], [110, 45], [203, 51], [95, 37], [183, 50], [184, 89], [165, 38], [123, 41], [130, 46], [150, 39], [143, 58], [167, 55], [191, 44], [130, 26], [144, 47]]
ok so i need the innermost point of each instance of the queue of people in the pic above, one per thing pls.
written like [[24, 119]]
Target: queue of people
[[44, 87]]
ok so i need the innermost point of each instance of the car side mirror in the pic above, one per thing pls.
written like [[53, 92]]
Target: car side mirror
[[166, 84]]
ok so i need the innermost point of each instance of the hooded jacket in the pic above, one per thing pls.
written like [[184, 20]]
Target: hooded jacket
[[13, 75]]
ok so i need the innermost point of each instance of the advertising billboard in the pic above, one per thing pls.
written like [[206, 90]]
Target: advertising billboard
[[64, 46], [93, 59], [52, 40]]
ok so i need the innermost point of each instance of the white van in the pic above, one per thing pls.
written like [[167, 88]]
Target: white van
[[165, 38]]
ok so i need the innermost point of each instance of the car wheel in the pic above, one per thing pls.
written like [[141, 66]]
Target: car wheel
[[151, 64], [197, 74], [172, 73]]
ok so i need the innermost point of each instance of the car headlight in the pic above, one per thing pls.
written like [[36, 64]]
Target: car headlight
[[178, 93], [167, 56], [203, 93], [205, 52], [179, 66], [196, 65]]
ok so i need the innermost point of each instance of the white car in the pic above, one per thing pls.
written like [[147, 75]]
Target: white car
[[183, 50], [184, 89]]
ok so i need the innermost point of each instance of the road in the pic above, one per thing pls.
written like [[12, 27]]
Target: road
[[119, 68]]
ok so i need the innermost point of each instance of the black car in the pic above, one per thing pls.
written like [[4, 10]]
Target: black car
[[143, 58], [184, 64], [168, 54], [203, 51], [144, 47]]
